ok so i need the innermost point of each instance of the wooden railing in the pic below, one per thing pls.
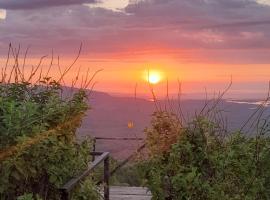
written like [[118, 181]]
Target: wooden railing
[[102, 157], [99, 157], [129, 158], [113, 138]]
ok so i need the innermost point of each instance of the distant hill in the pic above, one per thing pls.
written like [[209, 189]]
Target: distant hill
[[109, 117]]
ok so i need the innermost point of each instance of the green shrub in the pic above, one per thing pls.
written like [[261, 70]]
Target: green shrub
[[28, 197], [38, 148], [87, 190], [128, 176], [201, 165]]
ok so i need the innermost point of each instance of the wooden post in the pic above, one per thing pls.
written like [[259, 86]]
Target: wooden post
[[101, 157], [106, 178], [94, 149]]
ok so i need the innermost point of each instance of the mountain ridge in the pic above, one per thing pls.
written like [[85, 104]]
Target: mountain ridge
[[109, 117]]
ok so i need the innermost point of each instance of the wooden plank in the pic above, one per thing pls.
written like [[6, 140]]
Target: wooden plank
[[130, 197], [130, 193], [130, 190]]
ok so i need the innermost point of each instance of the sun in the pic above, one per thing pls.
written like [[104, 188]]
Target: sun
[[154, 77]]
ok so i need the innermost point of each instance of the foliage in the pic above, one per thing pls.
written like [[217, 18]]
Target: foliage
[[28, 197], [128, 176], [201, 165], [164, 131], [39, 151], [27, 110], [87, 190]]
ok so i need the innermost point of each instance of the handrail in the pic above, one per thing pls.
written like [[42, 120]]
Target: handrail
[[102, 156], [112, 138], [124, 162]]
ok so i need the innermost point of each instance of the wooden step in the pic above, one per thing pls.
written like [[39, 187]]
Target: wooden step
[[129, 193]]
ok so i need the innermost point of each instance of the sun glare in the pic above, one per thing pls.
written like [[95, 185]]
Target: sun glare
[[154, 77]]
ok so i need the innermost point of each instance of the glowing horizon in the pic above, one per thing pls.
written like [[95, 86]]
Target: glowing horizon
[[197, 42]]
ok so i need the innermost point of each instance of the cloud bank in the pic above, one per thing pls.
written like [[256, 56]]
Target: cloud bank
[[36, 4], [226, 31]]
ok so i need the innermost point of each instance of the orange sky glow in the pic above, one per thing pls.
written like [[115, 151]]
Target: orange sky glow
[[202, 44], [122, 76]]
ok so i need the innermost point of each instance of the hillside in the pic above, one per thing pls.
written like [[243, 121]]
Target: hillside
[[109, 116]]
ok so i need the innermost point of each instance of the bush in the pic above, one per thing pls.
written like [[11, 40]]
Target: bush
[[39, 151], [28, 197], [87, 190], [127, 176], [201, 165]]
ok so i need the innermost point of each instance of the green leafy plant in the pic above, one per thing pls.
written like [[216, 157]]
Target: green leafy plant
[[87, 190], [202, 165], [39, 151], [28, 197]]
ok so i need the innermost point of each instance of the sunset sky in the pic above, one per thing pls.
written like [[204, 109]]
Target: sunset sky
[[200, 42]]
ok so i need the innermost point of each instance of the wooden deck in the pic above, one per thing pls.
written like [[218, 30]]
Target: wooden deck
[[129, 193]]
